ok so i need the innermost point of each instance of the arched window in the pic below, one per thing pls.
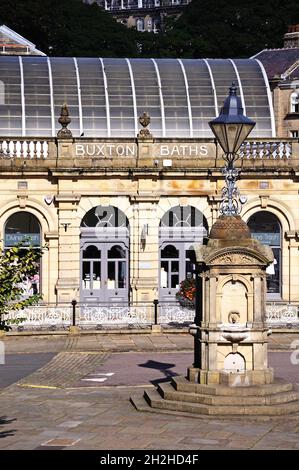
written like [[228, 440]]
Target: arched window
[[140, 24], [104, 255], [180, 228], [265, 227], [294, 102], [23, 227]]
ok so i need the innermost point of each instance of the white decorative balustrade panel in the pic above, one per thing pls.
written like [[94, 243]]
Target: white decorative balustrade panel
[[266, 150], [282, 314], [175, 314], [114, 314], [29, 149]]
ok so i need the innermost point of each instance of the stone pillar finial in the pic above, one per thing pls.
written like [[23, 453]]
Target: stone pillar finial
[[144, 120], [64, 120]]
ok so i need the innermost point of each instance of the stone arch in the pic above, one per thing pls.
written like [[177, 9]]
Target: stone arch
[[266, 226], [45, 219], [87, 204], [231, 287], [104, 254], [282, 212], [166, 203], [181, 226], [233, 277], [234, 362], [46, 223]]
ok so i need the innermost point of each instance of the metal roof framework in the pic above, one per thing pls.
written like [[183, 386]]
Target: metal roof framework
[[106, 96]]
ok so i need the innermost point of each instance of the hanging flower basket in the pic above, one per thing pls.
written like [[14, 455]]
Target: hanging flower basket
[[187, 293]]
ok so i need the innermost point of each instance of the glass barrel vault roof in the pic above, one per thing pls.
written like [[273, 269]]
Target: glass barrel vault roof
[[106, 96]]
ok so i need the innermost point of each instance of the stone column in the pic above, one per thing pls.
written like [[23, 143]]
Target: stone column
[[293, 267], [69, 247], [51, 239], [144, 243]]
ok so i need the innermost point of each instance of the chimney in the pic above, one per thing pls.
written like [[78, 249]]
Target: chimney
[[291, 38]]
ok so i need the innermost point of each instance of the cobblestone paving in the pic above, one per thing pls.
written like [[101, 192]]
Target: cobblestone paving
[[105, 419], [65, 369]]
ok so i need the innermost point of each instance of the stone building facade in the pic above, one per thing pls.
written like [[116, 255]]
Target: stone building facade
[[120, 201], [282, 68], [144, 15]]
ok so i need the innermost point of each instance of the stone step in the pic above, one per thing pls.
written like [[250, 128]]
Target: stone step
[[155, 400], [180, 383], [168, 392]]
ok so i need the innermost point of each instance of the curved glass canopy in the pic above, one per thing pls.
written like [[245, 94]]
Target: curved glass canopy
[[106, 96]]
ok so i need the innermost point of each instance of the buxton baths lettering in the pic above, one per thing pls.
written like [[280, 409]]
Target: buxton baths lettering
[[130, 150], [183, 150], [105, 150]]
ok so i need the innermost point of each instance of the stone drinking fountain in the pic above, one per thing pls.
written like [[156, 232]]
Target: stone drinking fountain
[[234, 378], [230, 374]]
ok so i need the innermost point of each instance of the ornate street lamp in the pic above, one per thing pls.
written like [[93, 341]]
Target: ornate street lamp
[[231, 128]]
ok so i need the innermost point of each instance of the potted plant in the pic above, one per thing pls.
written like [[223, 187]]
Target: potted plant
[[187, 293]]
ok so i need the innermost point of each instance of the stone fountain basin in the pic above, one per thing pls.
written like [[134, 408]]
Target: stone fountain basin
[[234, 333]]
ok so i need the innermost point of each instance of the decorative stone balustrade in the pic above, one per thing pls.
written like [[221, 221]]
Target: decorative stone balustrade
[[24, 148], [194, 153], [266, 150]]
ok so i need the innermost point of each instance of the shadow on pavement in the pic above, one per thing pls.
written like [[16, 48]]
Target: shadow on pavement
[[163, 367], [3, 421]]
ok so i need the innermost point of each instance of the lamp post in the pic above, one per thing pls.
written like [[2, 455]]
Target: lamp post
[[231, 128]]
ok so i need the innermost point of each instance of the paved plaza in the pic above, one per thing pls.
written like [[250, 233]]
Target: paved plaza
[[43, 411]]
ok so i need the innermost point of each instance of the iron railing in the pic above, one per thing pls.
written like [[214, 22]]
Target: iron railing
[[103, 315]]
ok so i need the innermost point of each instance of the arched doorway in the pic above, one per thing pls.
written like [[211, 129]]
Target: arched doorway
[[104, 252], [180, 228], [266, 228], [23, 227]]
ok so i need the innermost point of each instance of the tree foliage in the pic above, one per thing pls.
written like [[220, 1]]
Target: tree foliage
[[17, 265], [235, 28], [68, 28], [206, 28]]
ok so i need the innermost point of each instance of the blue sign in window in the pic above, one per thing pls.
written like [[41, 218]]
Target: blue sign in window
[[28, 239]]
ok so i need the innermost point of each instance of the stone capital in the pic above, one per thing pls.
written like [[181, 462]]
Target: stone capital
[[51, 235]]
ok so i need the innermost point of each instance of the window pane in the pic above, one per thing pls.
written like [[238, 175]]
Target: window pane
[[175, 266], [164, 274], [96, 282], [175, 281], [121, 274], [169, 252], [91, 252], [116, 252], [86, 275], [111, 275], [265, 227], [21, 226], [273, 273]]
